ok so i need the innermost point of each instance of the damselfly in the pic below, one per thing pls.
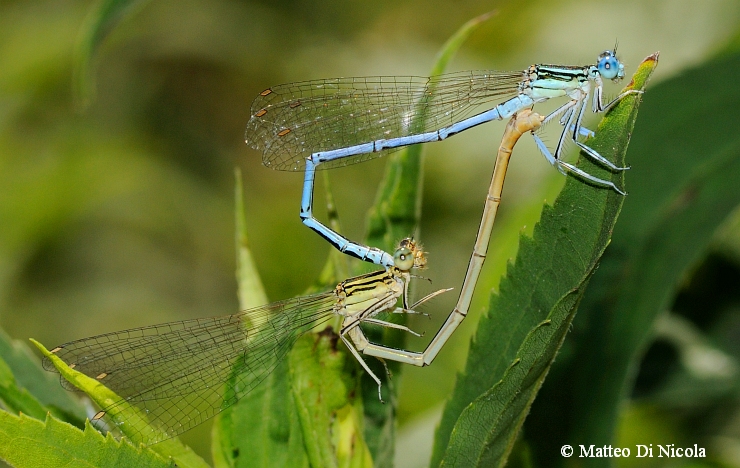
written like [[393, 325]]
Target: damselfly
[[341, 121], [183, 373]]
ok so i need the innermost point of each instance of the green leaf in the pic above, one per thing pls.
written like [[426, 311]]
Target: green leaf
[[527, 321], [395, 215], [15, 399], [43, 386], [683, 184], [262, 428], [135, 420], [98, 25], [28, 442], [325, 383], [249, 285], [487, 428]]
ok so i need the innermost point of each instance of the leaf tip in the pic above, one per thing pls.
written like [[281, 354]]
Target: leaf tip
[[485, 16], [40, 347], [643, 72], [652, 57]]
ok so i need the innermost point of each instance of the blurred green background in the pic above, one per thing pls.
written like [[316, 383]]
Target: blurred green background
[[120, 214]]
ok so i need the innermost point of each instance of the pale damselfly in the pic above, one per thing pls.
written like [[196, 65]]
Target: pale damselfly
[[336, 122], [182, 373]]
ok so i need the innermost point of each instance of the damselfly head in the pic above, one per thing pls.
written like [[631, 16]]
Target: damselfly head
[[408, 255], [609, 66]]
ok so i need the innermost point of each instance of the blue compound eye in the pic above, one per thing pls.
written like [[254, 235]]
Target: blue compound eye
[[608, 66]]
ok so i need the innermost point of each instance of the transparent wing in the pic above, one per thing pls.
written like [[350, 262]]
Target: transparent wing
[[183, 373], [291, 121]]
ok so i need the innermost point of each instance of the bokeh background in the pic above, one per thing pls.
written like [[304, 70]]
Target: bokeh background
[[120, 213]]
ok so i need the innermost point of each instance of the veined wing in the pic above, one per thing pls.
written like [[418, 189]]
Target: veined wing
[[291, 121], [183, 373]]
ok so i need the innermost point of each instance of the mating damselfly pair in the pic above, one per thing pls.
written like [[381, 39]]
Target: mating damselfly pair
[[183, 373]]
